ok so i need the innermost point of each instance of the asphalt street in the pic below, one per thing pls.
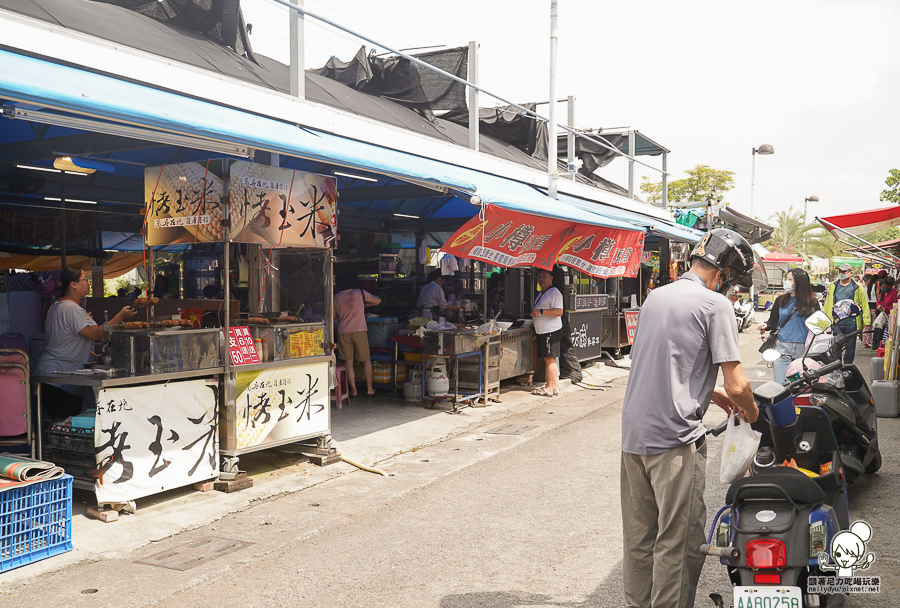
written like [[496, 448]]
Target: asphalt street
[[480, 520]]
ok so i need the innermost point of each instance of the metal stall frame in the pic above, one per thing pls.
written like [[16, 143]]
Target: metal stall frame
[[228, 415]]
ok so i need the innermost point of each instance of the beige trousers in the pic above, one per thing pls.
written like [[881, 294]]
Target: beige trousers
[[663, 519]]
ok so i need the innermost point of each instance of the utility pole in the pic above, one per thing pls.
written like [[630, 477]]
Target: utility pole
[[553, 176]]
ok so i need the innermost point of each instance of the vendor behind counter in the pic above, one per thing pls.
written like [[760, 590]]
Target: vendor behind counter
[[71, 333], [432, 302]]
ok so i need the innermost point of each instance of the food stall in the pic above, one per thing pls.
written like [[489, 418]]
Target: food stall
[[276, 379], [182, 396]]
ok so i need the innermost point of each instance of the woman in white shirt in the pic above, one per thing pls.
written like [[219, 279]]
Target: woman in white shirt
[[547, 315]]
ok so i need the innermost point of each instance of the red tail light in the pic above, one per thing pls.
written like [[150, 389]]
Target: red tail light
[[767, 579], [801, 400], [766, 553]]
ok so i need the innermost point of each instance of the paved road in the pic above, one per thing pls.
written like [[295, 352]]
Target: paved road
[[482, 520]]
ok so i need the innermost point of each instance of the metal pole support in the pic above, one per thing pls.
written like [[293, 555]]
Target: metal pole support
[[297, 60]]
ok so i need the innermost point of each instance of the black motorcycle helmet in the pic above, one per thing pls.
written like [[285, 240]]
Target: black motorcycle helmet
[[727, 250]]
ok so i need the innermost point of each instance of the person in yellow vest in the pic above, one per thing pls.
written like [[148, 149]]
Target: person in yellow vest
[[845, 288]]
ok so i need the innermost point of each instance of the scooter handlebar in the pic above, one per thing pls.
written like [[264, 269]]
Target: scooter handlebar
[[718, 429], [726, 552], [814, 374]]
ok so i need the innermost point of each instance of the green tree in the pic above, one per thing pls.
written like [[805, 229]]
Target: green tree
[[702, 183], [880, 236], [794, 236], [892, 194]]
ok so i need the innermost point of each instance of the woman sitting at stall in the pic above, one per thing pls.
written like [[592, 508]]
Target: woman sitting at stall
[[352, 336], [71, 333], [789, 315], [431, 301]]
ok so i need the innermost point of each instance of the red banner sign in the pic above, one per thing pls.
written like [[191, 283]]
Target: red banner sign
[[631, 321], [240, 345], [510, 238], [603, 252]]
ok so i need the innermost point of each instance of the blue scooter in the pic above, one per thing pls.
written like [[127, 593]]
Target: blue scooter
[[779, 520]]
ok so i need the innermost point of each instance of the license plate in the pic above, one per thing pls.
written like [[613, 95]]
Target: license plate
[[768, 597]]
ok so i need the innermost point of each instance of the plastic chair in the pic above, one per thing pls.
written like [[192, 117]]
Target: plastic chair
[[342, 388]]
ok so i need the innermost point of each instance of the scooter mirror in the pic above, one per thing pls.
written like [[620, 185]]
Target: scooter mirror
[[818, 322], [771, 355]]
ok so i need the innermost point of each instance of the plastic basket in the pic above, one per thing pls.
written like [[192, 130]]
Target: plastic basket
[[58, 456], [81, 471], [70, 438], [35, 522]]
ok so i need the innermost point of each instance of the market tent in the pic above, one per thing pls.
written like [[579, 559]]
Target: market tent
[[861, 222], [857, 263], [161, 115], [752, 230], [186, 46]]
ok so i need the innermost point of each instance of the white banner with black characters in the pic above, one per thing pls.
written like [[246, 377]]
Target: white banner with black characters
[[281, 403], [155, 437]]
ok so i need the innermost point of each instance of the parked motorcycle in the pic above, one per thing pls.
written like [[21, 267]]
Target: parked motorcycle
[[846, 397], [743, 312], [780, 520]]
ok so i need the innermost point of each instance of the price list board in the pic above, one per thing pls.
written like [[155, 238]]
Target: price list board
[[599, 301]]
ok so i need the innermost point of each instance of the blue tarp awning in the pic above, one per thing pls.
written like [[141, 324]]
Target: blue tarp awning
[[653, 225], [49, 85]]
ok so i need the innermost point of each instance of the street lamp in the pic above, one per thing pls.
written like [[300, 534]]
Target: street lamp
[[763, 149], [812, 199]]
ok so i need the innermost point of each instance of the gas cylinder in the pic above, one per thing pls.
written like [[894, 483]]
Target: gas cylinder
[[436, 381], [412, 388]]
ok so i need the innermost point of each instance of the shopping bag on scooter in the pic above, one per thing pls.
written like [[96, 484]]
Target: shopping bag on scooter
[[738, 448]]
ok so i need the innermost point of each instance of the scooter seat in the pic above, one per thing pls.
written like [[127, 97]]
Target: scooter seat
[[800, 488]]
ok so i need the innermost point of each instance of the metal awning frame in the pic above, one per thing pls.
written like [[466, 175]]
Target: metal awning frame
[[826, 223]]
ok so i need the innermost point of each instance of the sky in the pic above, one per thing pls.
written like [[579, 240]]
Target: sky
[[819, 80]]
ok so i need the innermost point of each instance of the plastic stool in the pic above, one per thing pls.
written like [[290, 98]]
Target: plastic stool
[[342, 389]]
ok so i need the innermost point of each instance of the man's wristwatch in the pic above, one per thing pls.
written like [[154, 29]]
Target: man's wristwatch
[[541, 310]]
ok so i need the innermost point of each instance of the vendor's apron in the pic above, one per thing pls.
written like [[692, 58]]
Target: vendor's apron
[[430, 313]]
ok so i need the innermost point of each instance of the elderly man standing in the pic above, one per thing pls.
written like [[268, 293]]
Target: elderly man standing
[[685, 333]]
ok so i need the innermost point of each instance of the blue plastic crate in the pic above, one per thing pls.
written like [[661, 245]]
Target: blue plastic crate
[[35, 522]]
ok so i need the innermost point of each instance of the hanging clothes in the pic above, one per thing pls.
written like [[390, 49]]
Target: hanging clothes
[[449, 265], [423, 252]]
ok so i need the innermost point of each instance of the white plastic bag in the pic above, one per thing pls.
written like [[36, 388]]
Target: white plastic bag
[[880, 321], [738, 448], [488, 329]]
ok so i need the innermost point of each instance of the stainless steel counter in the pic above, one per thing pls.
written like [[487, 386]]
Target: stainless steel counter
[[101, 380], [516, 352]]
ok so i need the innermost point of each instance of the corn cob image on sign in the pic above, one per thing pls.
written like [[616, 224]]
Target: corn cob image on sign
[[283, 206], [282, 403], [185, 203]]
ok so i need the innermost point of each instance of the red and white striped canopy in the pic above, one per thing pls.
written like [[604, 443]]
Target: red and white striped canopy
[[862, 222]]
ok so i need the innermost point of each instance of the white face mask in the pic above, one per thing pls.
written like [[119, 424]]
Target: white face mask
[[789, 286]]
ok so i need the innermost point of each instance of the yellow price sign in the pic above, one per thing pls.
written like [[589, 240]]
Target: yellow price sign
[[308, 343]]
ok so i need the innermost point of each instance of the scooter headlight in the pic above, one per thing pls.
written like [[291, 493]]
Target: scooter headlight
[[817, 399], [818, 539]]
